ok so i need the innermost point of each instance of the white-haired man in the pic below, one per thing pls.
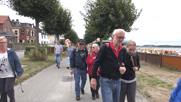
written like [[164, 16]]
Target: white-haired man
[[110, 58]]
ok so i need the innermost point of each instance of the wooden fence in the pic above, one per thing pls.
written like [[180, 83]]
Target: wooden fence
[[162, 60]]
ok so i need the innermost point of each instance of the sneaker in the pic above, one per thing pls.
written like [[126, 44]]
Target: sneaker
[[93, 97], [67, 67], [82, 91], [58, 67], [97, 95], [77, 97]]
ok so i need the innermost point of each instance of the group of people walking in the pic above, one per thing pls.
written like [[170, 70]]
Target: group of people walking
[[112, 68]]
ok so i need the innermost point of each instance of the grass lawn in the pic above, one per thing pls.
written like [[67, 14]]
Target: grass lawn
[[155, 82], [33, 67]]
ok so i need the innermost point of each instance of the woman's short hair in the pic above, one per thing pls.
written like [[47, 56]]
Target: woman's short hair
[[3, 37], [96, 45], [131, 43]]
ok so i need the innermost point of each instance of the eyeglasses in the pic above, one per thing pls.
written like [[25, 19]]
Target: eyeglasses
[[2, 42], [81, 44], [132, 49], [93, 47], [120, 37]]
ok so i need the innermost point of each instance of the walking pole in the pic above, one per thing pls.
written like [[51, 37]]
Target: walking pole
[[21, 86], [137, 80], [71, 84]]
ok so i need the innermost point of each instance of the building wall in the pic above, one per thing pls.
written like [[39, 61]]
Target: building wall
[[22, 35], [7, 24], [16, 29]]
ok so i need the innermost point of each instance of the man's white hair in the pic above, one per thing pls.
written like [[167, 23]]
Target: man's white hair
[[116, 30], [96, 45]]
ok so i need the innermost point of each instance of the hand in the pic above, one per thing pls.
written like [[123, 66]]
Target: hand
[[135, 68], [71, 71], [93, 83], [18, 77], [94, 57], [123, 64], [122, 70]]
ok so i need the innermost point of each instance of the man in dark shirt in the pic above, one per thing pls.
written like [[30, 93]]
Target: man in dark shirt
[[78, 66], [110, 58]]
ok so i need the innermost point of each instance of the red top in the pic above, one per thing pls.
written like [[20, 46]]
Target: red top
[[113, 49], [90, 62]]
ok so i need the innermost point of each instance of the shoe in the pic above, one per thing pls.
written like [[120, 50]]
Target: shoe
[[67, 67], [97, 95], [77, 97], [58, 67], [82, 91], [93, 97]]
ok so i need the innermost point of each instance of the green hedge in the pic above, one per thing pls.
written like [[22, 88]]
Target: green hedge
[[64, 48]]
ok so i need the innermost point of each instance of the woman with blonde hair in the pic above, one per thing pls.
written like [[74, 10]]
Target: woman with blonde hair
[[10, 68]]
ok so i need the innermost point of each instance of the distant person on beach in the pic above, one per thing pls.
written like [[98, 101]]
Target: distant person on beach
[[109, 59], [176, 93], [10, 68], [128, 79], [90, 61], [58, 51]]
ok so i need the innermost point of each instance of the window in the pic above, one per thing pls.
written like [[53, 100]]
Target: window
[[22, 32], [5, 30], [16, 32], [42, 36], [27, 33], [32, 33], [9, 30]]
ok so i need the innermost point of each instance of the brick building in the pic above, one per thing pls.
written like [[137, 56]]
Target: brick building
[[6, 29]]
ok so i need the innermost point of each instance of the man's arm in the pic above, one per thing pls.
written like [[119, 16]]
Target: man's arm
[[99, 58]]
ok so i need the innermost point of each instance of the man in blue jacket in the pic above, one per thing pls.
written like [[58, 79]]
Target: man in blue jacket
[[10, 68], [78, 66], [176, 93]]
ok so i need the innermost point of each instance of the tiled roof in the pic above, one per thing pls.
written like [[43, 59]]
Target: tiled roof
[[3, 19]]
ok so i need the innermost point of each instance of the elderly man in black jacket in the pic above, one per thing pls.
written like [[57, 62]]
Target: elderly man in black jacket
[[110, 58]]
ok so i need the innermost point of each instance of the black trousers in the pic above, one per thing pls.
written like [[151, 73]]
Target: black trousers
[[94, 92], [7, 89], [129, 90]]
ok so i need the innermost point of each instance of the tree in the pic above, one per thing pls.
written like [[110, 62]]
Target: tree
[[60, 24], [89, 37], [103, 16], [39, 10], [72, 36]]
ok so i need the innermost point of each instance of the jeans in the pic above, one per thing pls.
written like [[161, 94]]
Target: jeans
[[57, 59], [80, 74], [7, 89], [110, 89], [68, 61]]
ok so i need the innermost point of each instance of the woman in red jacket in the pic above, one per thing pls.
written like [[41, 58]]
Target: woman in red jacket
[[90, 61]]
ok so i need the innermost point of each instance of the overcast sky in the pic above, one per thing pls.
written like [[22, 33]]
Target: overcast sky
[[159, 22]]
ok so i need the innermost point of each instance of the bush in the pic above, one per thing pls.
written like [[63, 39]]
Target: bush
[[28, 49], [50, 49], [37, 55], [62, 42], [64, 48]]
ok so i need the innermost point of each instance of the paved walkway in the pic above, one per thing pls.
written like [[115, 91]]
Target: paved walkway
[[54, 85]]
